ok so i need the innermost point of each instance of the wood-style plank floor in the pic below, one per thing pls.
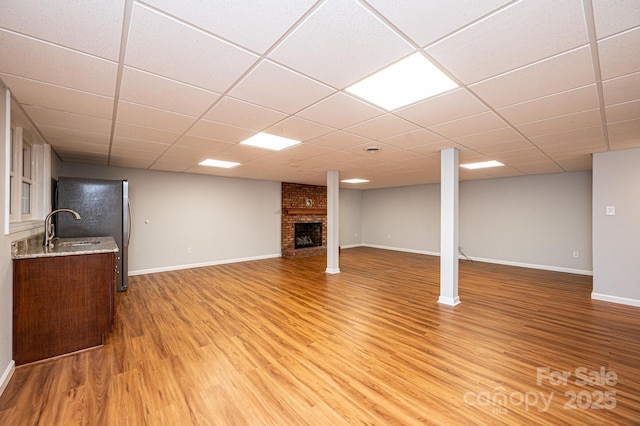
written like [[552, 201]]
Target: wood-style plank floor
[[279, 342]]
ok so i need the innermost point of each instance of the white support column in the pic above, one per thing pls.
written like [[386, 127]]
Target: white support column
[[449, 227], [333, 219]]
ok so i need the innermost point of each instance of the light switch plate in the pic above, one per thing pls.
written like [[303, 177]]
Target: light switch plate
[[610, 210]]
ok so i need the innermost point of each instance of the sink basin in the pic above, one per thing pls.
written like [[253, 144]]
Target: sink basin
[[78, 243]]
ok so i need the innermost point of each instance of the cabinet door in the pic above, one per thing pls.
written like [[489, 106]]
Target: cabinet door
[[61, 304]]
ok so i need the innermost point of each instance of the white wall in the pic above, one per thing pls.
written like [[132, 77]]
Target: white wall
[[405, 218], [350, 217], [616, 239], [220, 219], [536, 221]]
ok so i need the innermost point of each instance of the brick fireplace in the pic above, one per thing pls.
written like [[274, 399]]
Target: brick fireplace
[[303, 204]]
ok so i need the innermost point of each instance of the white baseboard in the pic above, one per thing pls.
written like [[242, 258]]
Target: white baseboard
[[6, 376], [406, 250], [615, 299], [496, 261], [534, 266], [200, 265]]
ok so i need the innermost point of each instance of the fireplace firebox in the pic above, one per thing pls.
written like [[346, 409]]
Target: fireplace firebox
[[308, 235]]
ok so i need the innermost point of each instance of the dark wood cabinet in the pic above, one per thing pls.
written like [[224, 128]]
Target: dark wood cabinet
[[61, 304]]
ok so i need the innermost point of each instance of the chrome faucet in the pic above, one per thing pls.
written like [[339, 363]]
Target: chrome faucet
[[49, 228]]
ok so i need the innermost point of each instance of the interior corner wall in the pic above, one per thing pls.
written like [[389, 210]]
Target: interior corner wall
[[616, 270], [532, 221], [220, 219]]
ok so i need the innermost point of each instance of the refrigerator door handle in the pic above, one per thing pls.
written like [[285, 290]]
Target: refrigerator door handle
[[129, 220]]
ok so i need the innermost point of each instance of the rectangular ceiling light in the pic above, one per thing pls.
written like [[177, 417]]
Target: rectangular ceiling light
[[218, 163], [482, 165], [355, 181], [267, 141], [410, 80]]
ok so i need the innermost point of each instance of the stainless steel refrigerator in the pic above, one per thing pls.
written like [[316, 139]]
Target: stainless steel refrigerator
[[105, 211]]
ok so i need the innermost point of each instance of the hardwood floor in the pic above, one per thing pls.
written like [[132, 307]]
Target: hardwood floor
[[279, 342]]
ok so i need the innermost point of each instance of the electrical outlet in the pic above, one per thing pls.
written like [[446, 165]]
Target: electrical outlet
[[189, 250], [576, 254]]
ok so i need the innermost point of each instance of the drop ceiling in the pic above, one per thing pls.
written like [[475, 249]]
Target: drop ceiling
[[165, 84]]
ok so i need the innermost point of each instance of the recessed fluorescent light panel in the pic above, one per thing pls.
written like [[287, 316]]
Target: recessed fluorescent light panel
[[267, 141], [482, 165], [355, 181], [218, 163], [410, 80]]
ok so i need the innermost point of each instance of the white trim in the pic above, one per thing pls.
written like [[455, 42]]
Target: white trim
[[6, 376], [351, 246], [428, 253], [200, 265], [451, 301], [28, 225], [615, 299], [332, 271], [534, 266], [496, 261]]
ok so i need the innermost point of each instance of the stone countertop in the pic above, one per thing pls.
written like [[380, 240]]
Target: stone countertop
[[33, 247]]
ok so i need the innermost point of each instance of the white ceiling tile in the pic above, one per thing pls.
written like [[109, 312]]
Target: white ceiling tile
[[140, 144], [45, 95], [195, 142], [194, 155], [276, 87], [51, 117], [218, 131], [69, 146], [57, 65], [613, 16], [491, 137], [159, 92], [509, 146], [577, 135], [56, 135], [141, 115], [91, 26], [623, 112], [340, 111], [125, 151], [235, 112], [619, 54], [624, 134], [257, 25], [435, 148], [571, 101], [242, 153], [300, 152], [564, 72], [538, 167], [562, 123], [502, 36], [447, 107], [425, 22], [583, 162], [132, 131], [383, 126], [338, 140], [414, 138], [340, 43], [571, 149], [479, 123], [621, 89], [128, 161], [167, 47], [170, 163], [299, 129]]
